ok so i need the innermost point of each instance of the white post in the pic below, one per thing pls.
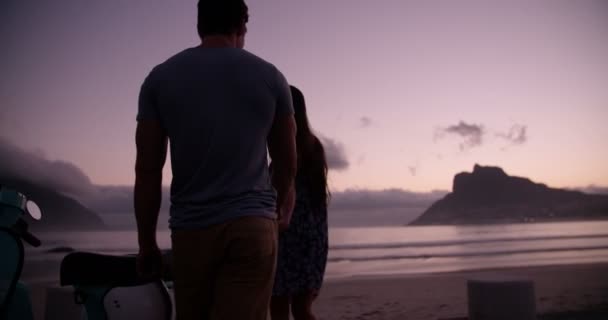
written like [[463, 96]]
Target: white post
[[501, 297]]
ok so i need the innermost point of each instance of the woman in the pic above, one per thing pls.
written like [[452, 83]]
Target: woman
[[303, 240]]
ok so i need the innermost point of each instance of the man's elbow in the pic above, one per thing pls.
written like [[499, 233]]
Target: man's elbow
[[148, 172]]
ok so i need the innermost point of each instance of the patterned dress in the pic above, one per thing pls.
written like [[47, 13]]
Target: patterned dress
[[303, 248]]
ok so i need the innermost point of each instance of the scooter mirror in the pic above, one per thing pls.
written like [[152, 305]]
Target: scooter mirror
[[33, 210]]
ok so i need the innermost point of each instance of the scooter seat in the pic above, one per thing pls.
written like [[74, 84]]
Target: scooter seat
[[90, 269]]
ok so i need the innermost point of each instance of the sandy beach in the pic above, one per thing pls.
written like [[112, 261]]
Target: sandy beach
[[559, 289]]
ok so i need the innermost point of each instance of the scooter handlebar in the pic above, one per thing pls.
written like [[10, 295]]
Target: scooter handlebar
[[21, 229], [31, 239]]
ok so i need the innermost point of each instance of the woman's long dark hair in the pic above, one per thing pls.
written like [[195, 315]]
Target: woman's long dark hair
[[312, 164]]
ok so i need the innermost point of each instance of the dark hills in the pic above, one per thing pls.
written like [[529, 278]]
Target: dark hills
[[489, 195], [59, 212]]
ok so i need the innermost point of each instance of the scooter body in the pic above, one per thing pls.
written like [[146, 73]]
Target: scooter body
[[15, 301], [109, 288]]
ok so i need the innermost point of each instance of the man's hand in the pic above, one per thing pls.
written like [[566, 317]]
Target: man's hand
[[149, 263]]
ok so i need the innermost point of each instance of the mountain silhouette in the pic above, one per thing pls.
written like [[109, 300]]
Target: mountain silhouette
[[59, 212], [489, 195]]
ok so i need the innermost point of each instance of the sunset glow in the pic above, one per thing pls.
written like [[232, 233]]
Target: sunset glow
[[409, 93]]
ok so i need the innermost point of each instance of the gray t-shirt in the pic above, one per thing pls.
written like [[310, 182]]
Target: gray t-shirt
[[217, 106]]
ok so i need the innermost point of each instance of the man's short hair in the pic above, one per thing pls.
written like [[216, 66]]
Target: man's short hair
[[221, 17]]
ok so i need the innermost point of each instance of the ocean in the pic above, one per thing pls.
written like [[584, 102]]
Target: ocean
[[377, 251]]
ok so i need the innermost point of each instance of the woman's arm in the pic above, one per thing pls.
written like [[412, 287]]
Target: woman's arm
[[285, 218]]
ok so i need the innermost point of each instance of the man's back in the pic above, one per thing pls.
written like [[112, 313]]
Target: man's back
[[217, 106], [223, 110]]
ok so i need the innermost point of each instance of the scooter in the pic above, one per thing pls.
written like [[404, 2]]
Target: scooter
[[109, 288], [15, 302]]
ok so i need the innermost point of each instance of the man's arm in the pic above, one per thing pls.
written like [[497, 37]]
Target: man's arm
[[282, 149], [151, 141]]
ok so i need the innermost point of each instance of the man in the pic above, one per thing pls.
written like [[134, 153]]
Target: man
[[222, 108]]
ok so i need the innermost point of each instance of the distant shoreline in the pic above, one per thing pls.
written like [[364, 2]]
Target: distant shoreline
[[468, 223], [493, 222]]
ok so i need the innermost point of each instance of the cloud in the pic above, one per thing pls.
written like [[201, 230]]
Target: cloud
[[118, 199], [356, 199], [390, 207], [365, 122], [115, 203], [472, 134], [63, 177], [347, 208], [33, 166], [335, 154], [517, 134], [361, 159], [8, 122], [67, 178], [111, 199], [413, 170], [353, 207], [593, 189]]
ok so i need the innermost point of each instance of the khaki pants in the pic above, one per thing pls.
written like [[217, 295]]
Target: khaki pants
[[225, 271]]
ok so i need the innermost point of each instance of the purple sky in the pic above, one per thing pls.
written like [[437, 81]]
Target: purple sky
[[406, 93]]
